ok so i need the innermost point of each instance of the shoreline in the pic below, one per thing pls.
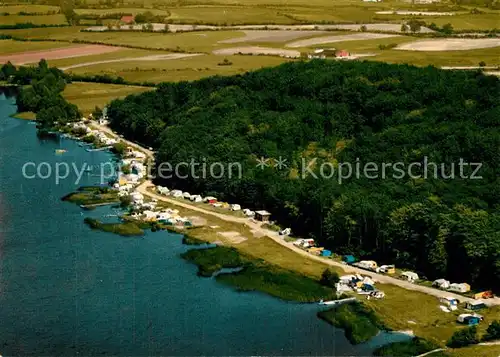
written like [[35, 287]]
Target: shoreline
[[277, 255]]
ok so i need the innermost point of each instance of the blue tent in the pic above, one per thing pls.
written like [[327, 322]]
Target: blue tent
[[368, 287], [472, 320], [326, 253], [349, 259]]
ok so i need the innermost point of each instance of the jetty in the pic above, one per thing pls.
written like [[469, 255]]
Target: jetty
[[93, 205], [337, 302], [100, 149]]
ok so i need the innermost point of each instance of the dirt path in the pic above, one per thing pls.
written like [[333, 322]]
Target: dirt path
[[337, 38], [257, 229], [256, 50], [450, 44], [431, 352], [384, 27], [107, 130], [169, 56], [272, 36], [274, 236], [57, 53]]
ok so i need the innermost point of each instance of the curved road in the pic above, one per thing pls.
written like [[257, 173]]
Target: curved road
[[274, 236], [385, 279], [169, 56]]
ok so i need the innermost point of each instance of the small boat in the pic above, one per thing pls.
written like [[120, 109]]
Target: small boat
[[337, 302], [332, 302], [60, 151]]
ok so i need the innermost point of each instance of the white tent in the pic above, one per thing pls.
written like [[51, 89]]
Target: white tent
[[176, 193], [196, 198], [441, 283], [411, 276]]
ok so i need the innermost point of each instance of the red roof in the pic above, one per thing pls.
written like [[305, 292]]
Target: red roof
[[342, 53], [127, 19]]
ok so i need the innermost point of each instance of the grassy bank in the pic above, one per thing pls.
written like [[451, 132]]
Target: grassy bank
[[124, 229], [257, 275], [92, 196], [278, 282], [212, 260], [416, 346], [359, 322], [187, 240], [24, 116]]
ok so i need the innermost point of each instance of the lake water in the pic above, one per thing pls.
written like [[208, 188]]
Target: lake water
[[67, 290]]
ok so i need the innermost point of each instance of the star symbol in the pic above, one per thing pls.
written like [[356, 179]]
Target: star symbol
[[262, 163], [280, 163]]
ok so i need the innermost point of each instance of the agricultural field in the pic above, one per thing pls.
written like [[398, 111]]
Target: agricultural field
[[121, 54], [57, 53], [87, 95], [9, 46], [56, 19], [28, 8], [119, 10], [487, 21], [441, 58], [175, 70], [189, 42], [228, 15]]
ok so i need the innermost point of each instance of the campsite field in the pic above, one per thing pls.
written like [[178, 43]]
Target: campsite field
[[87, 95]]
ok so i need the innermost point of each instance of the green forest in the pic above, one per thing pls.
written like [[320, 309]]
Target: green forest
[[442, 224], [40, 91]]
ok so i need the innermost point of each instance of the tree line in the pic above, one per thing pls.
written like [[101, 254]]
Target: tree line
[[341, 112], [40, 92]]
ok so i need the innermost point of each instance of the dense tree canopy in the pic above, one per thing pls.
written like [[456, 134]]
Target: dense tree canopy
[[41, 93], [337, 113]]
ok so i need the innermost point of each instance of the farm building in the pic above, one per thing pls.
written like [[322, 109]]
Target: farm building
[[410, 276], [127, 19], [342, 54], [459, 288], [475, 305], [441, 283], [262, 216]]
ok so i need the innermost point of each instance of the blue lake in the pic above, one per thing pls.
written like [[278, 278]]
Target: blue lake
[[67, 290]]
